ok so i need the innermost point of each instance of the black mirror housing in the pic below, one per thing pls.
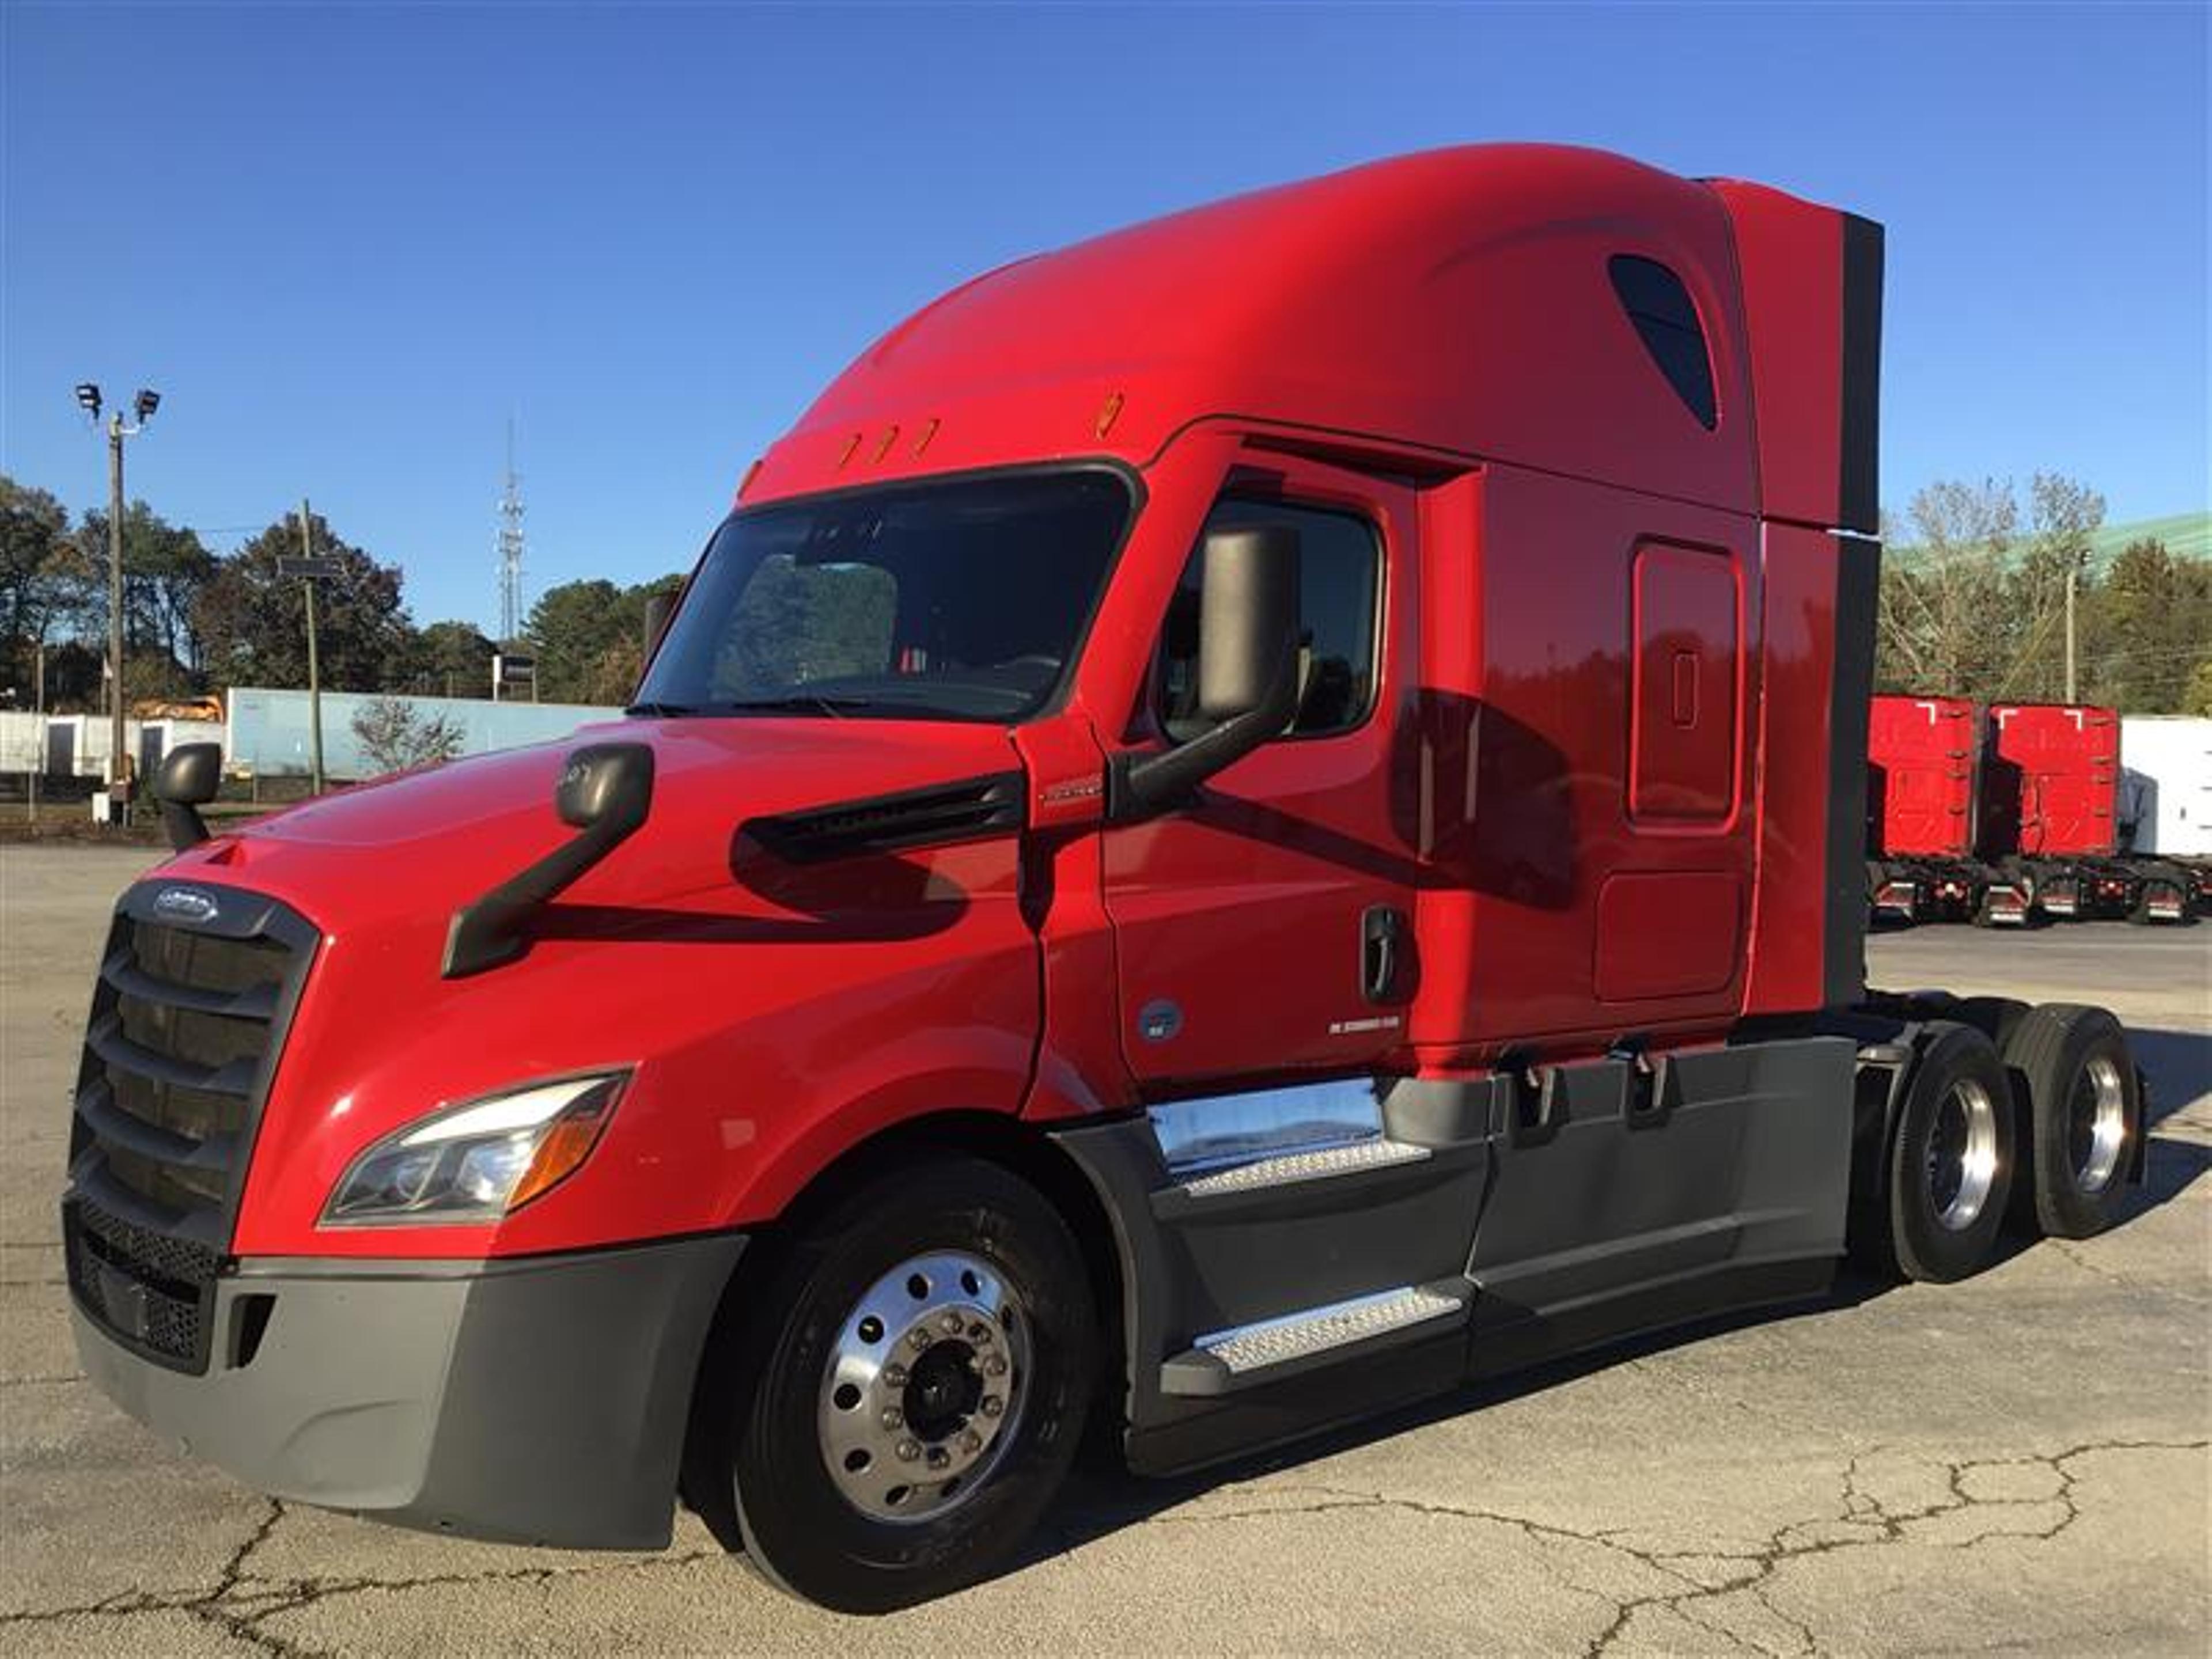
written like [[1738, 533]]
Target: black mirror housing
[[1249, 619], [605, 784], [191, 773], [1247, 670], [189, 778]]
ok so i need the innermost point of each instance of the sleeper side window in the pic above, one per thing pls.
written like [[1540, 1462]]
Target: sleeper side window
[[1667, 322], [1341, 590]]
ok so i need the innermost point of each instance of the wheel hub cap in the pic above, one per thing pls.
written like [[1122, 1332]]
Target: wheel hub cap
[[2096, 1124], [1962, 1155], [923, 1386]]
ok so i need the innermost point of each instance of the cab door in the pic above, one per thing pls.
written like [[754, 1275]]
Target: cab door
[[1265, 927]]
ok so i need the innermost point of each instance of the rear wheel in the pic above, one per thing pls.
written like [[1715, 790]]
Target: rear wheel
[[2085, 1109], [1951, 1157], [910, 1386]]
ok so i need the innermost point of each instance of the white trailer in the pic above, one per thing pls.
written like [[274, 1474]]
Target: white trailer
[[2165, 784]]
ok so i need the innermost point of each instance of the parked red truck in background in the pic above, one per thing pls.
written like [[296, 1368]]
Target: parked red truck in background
[[1924, 792], [1247, 820], [2012, 818], [2052, 799]]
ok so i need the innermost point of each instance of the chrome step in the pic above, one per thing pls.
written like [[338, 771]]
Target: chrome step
[[1289, 1168], [1270, 1347]]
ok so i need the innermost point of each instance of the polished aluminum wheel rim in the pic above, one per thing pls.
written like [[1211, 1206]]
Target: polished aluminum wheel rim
[[1962, 1154], [2096, 1124], [924, 1387]]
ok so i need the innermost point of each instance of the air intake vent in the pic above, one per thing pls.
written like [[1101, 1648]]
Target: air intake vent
[[971, 809]]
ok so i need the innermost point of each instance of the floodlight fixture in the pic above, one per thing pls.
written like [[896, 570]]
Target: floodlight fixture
[[88, 398]]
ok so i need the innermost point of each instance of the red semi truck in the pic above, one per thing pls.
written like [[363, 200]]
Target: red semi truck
[[2011, 818], [1924, 792], [2051, 801], [1245, 821]]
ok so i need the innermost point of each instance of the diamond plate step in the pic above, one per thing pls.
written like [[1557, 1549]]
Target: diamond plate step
[[1260, 1352], [1292, 1167]]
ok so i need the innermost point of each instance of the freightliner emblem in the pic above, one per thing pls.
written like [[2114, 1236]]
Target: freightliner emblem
[[184, 904]]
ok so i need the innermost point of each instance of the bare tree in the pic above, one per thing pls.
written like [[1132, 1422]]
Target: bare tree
[[397, 736]]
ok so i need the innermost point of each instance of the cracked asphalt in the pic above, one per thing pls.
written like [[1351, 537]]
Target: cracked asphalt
[[2017, 1464]]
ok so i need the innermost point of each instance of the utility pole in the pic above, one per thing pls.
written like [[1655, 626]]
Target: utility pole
[[311, 569], [142, 408], [314, 666], [2072, 573], [39, 703]]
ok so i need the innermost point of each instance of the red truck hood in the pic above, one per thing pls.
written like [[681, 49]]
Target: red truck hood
[[438, 838]]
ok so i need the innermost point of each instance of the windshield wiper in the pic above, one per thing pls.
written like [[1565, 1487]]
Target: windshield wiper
[[820, 702], [659, 710]]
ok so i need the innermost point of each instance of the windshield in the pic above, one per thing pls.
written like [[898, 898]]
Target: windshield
[[960, 599]]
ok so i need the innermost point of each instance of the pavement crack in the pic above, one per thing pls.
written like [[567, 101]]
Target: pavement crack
[[1862, 1520]]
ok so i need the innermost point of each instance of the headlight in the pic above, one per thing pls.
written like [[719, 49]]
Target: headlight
[[476, 1163]]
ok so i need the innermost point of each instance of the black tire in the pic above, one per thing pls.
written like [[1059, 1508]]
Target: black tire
[[2084, 1113], [767, 1454], [1951, 1157]]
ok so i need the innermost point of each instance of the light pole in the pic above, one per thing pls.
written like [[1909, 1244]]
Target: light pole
[[142, 408]]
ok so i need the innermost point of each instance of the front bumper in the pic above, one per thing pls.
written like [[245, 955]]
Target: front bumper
[[540, 1400]]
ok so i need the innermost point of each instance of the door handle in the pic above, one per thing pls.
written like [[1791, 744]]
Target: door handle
[[1382, 951]]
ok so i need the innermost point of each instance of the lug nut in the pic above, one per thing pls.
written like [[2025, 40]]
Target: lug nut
[[950, 1324], [994, 1364], [971, 1441], [909, 1451], [939, 1457], [894, 1418], [979, 1335], [918, 1338], [894, 1376], [991, 1405]]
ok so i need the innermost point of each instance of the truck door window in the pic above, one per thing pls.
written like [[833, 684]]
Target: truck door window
[[1340, 586]]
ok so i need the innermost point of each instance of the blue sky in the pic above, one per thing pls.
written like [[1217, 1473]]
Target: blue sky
[[347, 243]]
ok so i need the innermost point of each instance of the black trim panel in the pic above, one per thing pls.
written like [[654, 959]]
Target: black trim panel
[[1851, 694], [939, 815], [1858, 479]]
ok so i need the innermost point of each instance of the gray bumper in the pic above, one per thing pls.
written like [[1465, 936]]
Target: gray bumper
[[535, 1402]]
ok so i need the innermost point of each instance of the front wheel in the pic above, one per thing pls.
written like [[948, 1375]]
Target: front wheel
[[910, 1384]]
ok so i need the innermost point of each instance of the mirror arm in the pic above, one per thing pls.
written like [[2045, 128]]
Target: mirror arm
[[1139, 784], [186, 828], [494, 928]]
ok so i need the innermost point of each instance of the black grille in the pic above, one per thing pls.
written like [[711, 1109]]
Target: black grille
[[195, 990], [153, 1291]]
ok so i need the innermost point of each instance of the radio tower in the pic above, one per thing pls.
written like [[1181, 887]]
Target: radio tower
[[510, 548]]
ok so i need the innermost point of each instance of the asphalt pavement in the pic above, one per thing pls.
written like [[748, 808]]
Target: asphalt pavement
[[2016, 1464]]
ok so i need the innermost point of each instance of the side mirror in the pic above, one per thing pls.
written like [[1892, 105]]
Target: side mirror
[[605, 787], [1247, 670], [605, 793], [190, 775]]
